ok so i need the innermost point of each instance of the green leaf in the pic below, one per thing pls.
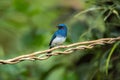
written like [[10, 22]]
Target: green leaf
[[109, 56]]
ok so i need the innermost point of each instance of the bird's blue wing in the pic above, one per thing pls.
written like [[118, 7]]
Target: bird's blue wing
[[53, 37]]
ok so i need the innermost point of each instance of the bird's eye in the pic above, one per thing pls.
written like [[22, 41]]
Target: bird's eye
[[61, 27]]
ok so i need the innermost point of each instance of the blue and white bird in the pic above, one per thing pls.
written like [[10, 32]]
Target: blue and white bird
[[59, 36]]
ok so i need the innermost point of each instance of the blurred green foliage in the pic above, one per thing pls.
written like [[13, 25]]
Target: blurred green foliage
[[27, 26]]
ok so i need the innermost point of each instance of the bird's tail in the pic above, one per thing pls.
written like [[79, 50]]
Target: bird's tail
[[49, 51]]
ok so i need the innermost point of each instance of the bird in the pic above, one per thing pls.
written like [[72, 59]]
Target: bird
[[59, 36]]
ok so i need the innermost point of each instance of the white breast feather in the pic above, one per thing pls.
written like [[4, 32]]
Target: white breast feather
[[58, 40]]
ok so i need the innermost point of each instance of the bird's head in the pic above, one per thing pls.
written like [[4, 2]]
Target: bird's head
[[62, 26]]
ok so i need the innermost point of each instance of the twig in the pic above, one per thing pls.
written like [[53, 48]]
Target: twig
[[88, 10], [42, 55]]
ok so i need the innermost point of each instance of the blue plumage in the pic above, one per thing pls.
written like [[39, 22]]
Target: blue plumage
[[59, 36]]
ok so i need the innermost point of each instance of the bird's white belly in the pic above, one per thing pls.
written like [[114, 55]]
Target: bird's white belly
[[58, 40]]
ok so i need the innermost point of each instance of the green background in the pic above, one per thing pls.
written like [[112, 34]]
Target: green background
[[27, 26]]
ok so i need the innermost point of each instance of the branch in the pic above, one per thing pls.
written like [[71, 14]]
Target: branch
[[42, 55]]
